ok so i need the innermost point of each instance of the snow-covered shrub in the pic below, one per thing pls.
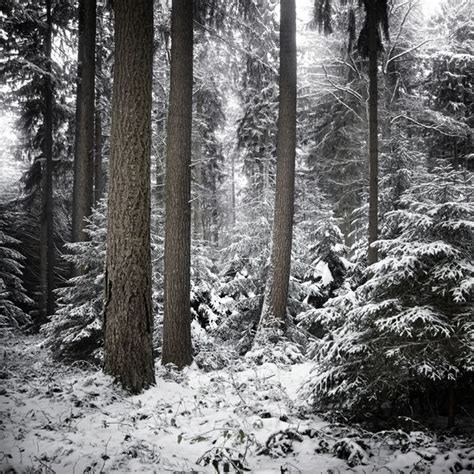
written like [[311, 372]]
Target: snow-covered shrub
[[245, 262], [206, 304], [320, 272], [409, 327], [13, 297], [278, 346]]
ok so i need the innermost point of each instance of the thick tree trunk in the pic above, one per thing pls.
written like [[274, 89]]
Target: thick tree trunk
[[177, 319], [128, 316], [83, 191], [276, 292], [373, 126], [47, 256]]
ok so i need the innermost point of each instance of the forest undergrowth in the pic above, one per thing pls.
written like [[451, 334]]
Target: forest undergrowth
[[245, 417]]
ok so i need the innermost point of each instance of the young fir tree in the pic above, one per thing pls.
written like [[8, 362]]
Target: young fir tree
[[75, 331], [408, 329]]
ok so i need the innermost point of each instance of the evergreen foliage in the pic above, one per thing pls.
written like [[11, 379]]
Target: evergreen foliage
[[75, 330], [14, 301], [408, 328]]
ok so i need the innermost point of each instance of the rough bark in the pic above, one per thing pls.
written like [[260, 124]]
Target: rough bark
[[128, 316], [373, 126], [83, 189], [177, 319], [47, 255], [99, 178], [276, 292]]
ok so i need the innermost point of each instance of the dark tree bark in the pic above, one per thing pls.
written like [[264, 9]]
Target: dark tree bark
[[128, 316], [47, 255], [83, 191], [373, 47], [99, 178], [276, 292], [177, 347]]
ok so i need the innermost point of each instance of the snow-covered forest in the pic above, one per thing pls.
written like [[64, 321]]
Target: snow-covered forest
[[236, 235]]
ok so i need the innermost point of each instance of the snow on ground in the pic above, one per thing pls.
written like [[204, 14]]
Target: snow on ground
[[73, 419]]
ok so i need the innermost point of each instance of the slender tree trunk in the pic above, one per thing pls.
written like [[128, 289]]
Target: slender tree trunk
[[47, 256], [373, 126], [276, 292], [233, 188], [83, 191], [128, 315], [99, 184], [198, 217], [177, 347]]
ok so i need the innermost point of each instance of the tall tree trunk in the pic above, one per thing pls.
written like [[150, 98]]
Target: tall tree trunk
[[373, 126], [198, 217], [177, 318], [276, 292], [83, 190], [128, 316], [47, 256], [99, 178], [232, 189]]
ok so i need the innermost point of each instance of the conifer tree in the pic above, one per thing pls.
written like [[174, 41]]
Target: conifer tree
[[369, 44], [407, 330], [177, 319], [128, 318], [276, 292], [47, 252], [83, 191]]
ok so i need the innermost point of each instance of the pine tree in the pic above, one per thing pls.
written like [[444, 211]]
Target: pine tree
[[128, 318], [83, 191], [47, 251], [407, 330], [75, 331], [14, 301], [276, 292], [28, 76], [177, 347], [369, 44]]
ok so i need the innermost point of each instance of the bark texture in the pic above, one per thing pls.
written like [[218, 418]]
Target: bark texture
[[128, 316], [177, 318], [99, 178], [373, 126], [276, 292], [83, 190], [47, 255]]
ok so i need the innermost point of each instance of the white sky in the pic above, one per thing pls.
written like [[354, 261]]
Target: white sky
[[430, 7]]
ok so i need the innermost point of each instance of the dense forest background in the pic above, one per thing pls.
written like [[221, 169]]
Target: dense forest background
[[215, 182]]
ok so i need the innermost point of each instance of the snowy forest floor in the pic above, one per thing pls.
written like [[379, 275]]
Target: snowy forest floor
[[57, 418]]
